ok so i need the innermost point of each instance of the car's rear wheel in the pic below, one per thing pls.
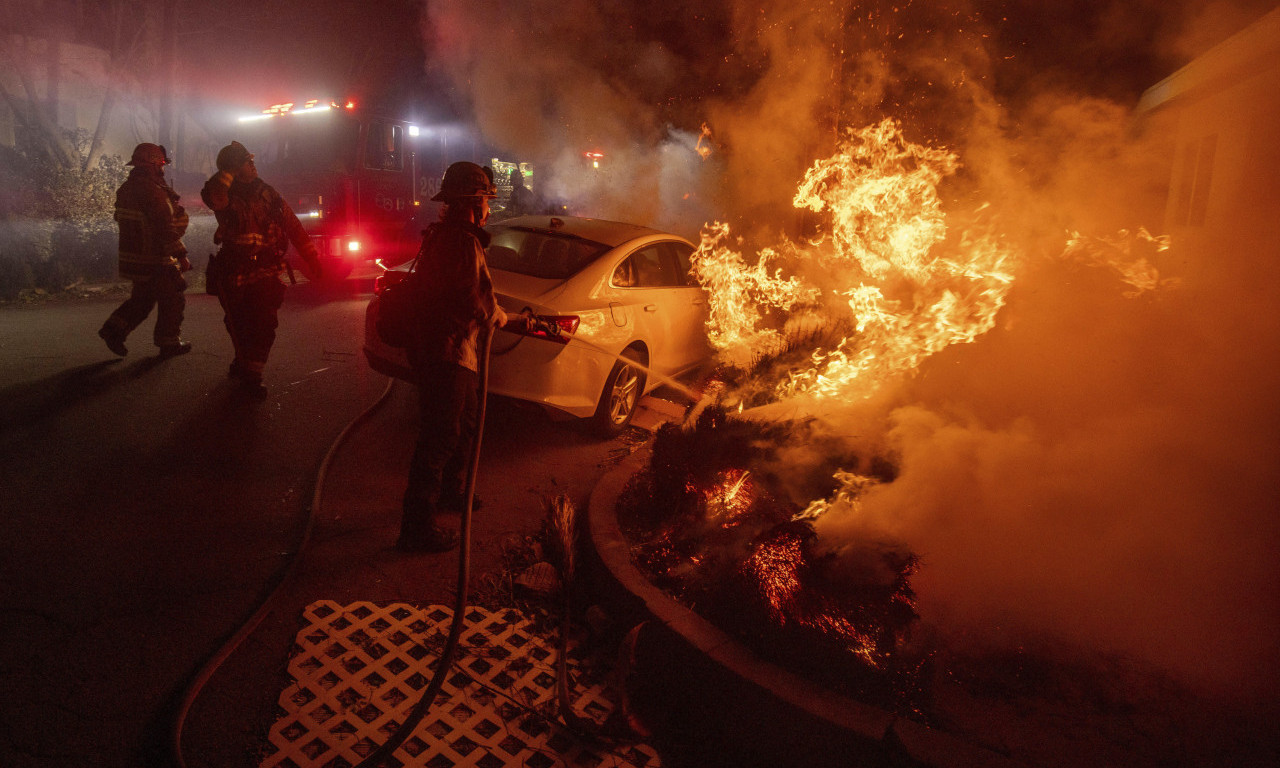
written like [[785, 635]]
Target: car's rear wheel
[[621, 395]]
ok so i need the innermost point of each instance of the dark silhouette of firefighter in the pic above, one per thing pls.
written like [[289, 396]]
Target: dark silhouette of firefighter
[[255, 228], [522, 198], [458, 302], [151, 254]]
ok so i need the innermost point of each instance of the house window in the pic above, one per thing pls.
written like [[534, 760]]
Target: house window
[[1197, 173]]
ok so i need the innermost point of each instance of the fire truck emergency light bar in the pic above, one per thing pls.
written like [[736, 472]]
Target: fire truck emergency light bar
[[287, 108]]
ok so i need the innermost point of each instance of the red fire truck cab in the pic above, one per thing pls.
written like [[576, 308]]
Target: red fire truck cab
[[358, 181]]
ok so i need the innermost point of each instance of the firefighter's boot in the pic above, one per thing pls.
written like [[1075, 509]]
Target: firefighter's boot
[[173, 350], [114, 339]]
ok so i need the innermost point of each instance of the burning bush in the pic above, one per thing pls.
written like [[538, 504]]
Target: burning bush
[[710, 523]]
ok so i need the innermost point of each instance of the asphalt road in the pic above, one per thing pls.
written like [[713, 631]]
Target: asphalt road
[[147, 508]]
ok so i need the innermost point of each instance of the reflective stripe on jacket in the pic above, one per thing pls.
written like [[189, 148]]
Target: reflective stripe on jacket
[[255, 227], [151, 223]]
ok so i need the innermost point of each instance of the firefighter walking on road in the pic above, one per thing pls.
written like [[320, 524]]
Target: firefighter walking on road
[[255, 227], [151, 254]]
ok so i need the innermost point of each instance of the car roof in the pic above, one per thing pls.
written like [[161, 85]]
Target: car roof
[[610, 233]]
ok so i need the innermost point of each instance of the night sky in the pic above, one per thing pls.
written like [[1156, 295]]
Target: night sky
[[385, 52]]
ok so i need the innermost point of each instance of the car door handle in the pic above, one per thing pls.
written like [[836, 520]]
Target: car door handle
[[650, 307]]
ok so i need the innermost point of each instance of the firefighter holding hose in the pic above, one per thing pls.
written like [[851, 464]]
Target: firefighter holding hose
[[255, 227], [457, 300]]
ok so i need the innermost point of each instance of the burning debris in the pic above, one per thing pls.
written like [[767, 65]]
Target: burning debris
[[712, 525], [735, 513]]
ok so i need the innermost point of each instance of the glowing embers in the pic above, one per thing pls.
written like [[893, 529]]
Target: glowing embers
[[884, 262], [730, 498], [711, 522], [773, 568]]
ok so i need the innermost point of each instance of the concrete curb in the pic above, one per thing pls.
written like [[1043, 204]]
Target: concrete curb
[[901, 738]]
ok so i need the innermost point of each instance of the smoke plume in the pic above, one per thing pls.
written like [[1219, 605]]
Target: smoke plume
[[1101, 465]]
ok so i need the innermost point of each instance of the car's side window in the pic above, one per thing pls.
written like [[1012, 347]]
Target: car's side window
[[655, 268], [625, 275], [684, 265]]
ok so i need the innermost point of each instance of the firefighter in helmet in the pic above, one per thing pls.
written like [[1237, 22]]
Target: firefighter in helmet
[[151, 254], [255, 228], [458, 302]]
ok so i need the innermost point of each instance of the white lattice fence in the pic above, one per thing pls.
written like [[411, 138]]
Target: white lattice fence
[[360, 668]]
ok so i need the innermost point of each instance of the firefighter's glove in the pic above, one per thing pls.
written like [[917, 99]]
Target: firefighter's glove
[[184, 264], [499, 319]]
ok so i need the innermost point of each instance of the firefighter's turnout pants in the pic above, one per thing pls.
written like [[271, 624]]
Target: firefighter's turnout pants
[[163, 290], [449, 411], [250, 314]]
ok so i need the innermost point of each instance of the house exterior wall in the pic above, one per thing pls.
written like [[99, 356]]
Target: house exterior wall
[[1222, 112]]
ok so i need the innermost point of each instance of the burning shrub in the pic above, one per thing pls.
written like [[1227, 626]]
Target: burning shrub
[[710, 523], [756, 383]]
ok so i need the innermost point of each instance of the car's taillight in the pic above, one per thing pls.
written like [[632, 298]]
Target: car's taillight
[[567, 324]]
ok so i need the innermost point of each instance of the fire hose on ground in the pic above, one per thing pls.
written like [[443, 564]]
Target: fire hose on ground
[[216, 660], [420, 709], [423, 706], [571, 720]]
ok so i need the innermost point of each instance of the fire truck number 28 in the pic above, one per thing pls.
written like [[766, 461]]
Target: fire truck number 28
[[428, 186]]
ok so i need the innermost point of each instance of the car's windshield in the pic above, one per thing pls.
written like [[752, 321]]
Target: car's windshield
[[539, 253]]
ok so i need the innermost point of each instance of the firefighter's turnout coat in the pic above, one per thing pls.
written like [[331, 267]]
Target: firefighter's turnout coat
[[255, 227], [152, 224], [458, 294]]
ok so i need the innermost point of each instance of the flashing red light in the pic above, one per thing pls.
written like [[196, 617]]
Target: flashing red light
[[593, 155]]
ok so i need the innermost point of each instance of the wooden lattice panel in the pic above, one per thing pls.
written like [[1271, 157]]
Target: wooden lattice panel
[[360, 668]]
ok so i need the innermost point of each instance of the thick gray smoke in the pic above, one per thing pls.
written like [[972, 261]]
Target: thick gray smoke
[[1098, 467], [550, 80]]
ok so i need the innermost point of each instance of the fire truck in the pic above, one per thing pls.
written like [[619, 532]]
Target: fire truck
[[360, 182]]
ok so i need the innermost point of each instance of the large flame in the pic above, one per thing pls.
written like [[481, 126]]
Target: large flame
[[884, 256], [885, 266], [742, 296]]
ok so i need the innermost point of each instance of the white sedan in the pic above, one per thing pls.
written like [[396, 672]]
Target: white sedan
[[617, 307]]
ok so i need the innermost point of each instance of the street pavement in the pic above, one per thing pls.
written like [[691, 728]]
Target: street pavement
[[526, 459], [149, 510]]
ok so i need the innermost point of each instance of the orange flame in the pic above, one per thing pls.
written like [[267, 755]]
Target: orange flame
[[908, 293], [704, 151], [1122, 254], [848, 495], [739, 293]]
